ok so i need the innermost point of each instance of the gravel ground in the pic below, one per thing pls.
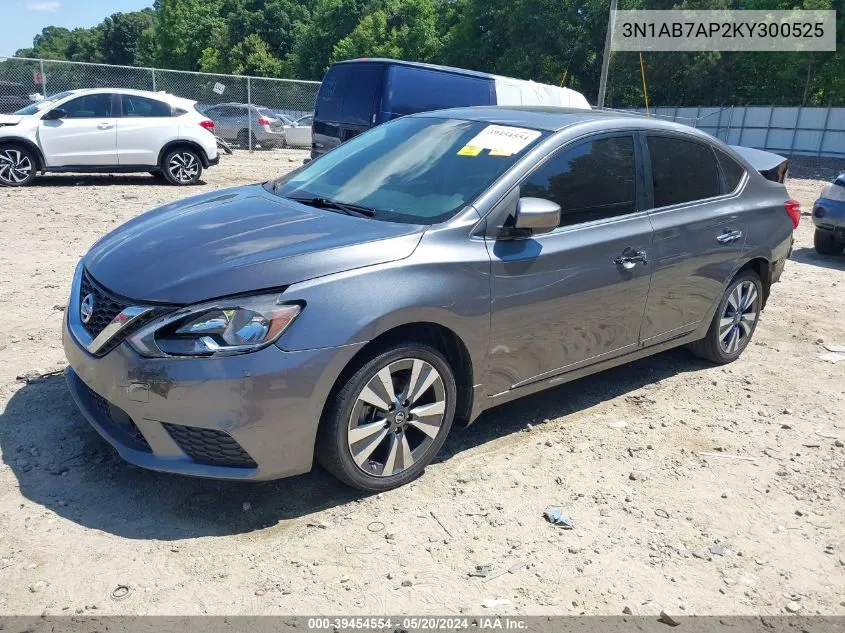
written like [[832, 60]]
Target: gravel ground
[[657, 525]]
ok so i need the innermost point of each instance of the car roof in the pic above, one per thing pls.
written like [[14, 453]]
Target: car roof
[[130, 91], [553, 119]]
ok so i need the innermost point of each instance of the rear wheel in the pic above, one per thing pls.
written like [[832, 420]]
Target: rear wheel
[[826, 243], [389, 419], [243, 139], [181, 166], [735, 320], [18, 165]]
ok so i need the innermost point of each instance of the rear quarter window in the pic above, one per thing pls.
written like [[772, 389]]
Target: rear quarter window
[[681, 171], [410, 90], [731, 170]]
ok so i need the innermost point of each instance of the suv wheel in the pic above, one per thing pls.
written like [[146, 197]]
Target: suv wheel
[[18, 165], [181, 166], [735, 320], [825, 243], [389, 419]]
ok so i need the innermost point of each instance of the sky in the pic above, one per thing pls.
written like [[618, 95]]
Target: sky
[[23, 19]]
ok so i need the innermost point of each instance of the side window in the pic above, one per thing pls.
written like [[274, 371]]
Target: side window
[[96, 106], [412, 89], [732, 171], [134, 106], [682, 171], [591, 181]]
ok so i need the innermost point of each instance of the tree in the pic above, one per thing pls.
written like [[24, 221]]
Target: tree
[[184, 29], [122, 36]]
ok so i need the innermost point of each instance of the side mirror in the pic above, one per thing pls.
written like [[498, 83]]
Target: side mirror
[[537, 215], [55, 114]]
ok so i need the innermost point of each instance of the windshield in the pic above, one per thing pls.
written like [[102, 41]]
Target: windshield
[[419, 170], [38, 106]]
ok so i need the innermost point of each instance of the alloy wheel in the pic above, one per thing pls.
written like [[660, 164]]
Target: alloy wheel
[[396, 417], [183, 166], [739, 317], [15, 166]]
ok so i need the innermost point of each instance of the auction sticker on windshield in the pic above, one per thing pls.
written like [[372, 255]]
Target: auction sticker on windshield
[[501, 140]]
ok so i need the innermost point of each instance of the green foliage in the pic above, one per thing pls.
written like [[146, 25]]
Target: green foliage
[[548, 41]]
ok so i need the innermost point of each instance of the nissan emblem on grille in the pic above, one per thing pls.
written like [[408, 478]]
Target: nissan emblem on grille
[[86, 308]]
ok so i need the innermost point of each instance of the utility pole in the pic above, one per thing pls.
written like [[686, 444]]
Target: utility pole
[[605, 62]]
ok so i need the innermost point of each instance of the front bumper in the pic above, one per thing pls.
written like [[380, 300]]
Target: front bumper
[[249, 417], [829, 215]]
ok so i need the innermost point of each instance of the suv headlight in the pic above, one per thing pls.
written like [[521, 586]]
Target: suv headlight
[[217, 328]]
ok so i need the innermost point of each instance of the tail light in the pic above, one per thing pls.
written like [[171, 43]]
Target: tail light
[[208, 125], [263, 121], [793, 210]]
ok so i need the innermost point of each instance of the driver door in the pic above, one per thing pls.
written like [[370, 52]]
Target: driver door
[[86, 136], [563, 300]]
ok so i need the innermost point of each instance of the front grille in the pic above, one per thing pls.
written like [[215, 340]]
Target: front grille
[[211, 447], [117, 421], [106, 307]]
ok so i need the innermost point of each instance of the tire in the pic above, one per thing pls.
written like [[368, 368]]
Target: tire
[[181, 166], [18, 165], [243, 140], [385, 440], [725, 340], [825, 243]]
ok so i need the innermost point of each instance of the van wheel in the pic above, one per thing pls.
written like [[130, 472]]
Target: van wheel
[[735, 320], [388, 420], [181, 166], [825, 243], [18, 165]]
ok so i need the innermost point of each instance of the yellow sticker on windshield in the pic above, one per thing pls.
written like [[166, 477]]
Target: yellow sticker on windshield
[[469, 150]]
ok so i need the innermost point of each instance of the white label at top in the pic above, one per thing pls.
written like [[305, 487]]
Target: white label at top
[[504, 138]]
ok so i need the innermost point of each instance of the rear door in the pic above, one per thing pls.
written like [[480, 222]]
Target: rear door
[[565, 299], [699, 232], [86, 136], [144, 126]]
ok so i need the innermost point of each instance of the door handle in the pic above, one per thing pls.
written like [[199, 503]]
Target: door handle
[[728, 236], [105, 126], [630, 258]]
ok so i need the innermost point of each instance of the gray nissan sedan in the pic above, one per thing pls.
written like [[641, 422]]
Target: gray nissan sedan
[[426, 270]]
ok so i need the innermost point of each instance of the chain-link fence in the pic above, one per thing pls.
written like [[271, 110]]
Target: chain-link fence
[[279, 101]]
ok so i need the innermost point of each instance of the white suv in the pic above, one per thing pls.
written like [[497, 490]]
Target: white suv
[[107, 130]]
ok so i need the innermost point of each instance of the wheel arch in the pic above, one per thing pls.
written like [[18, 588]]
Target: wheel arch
[[442, 338], [763, 268], [179, 144], [16, 140]]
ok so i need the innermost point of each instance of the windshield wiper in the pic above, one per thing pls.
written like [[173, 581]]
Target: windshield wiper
[[335, 205]]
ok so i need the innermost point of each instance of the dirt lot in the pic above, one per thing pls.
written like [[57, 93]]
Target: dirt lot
[[83, 532]]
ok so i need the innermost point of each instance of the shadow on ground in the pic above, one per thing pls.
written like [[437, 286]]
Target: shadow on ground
[[806, 255], [99, 180], [62, 464]]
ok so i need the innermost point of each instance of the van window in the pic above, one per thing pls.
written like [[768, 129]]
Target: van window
[[411, 90], [348, 93]]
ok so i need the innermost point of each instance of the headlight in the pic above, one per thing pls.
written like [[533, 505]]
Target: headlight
[[217, 328]]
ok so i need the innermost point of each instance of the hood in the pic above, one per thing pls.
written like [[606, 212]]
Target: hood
[[238, 240], [10, 119]]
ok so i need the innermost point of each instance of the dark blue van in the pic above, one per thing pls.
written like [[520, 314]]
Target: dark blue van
[[358, 94]]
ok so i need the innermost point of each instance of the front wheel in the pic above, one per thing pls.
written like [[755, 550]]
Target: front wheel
[[825, 243], [389, 419], [734, 322], [18, 165], [181, 167]]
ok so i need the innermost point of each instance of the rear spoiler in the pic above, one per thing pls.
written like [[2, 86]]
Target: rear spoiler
[[773, 166]]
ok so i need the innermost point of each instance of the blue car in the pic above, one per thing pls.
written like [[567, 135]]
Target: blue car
[[829, 218]]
